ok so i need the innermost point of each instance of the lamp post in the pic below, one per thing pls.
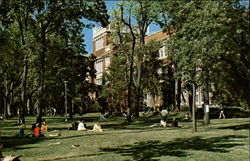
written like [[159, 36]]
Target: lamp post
[[66, 103]]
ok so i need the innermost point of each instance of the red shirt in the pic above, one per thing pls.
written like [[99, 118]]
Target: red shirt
[[37, 131]]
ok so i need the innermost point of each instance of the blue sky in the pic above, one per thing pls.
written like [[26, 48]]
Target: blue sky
[[88, 32]]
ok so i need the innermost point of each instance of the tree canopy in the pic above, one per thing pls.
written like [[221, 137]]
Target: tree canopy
[[210, 45], [45, 38]]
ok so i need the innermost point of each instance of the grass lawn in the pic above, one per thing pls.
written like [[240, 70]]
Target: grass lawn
[[222, 140]]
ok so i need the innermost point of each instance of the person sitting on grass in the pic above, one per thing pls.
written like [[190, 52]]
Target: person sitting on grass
[[21, 130], [73, 126], [175, 123], [37, 130], [97, 127], [81, 126], [163, 123], [44, 127]]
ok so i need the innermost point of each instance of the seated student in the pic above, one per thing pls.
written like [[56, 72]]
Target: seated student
[[97, 127], [164, 114], [21, 130], [44, 127], [175, 123], [81, 126], [186, 118], [37, 130], [73, 126], [163, 123]]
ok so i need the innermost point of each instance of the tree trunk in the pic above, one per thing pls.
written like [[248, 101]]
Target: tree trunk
[[170, 90], [5, 101], [193, 109], [10, 100], [138, 87], [24, 102], [190, 100], [5, 107], [131, 71], [71, 108], [178, 95], [41, 74], [206, 102]]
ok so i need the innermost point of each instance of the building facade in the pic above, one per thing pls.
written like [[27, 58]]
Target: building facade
[[103, 48]]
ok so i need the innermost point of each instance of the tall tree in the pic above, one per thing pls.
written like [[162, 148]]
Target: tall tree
[[206, 38], [45, 19], [136, 16]]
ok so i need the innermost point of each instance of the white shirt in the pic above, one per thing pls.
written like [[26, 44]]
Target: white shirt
[[81, 126], [164, 112]]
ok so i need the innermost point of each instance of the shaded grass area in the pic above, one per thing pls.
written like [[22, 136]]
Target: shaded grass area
[[227, 139], [237, 127], [146, 151]]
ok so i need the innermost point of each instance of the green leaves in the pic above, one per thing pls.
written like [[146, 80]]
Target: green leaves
[[207, 39], [49, 34]]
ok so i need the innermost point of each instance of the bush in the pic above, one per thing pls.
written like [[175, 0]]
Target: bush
[[184, 108], [95, 107]]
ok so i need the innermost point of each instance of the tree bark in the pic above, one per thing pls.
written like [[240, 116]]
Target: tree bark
[[178, 96], [193, 107], [41, 74], [206, 102], [24, 102], [10, 100], [190, 100]]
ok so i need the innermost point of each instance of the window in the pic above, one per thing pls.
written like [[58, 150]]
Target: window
[[162, 52], [99, 66], [99, 81], [107, 61], [99, 43]]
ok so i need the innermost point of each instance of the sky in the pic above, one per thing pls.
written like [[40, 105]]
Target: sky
[[89, 33]]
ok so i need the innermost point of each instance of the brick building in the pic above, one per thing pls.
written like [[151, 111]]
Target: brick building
[[102, 49]]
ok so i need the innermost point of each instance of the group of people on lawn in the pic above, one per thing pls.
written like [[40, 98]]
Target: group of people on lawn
[[82, 126], [163, 122], [39, 129]]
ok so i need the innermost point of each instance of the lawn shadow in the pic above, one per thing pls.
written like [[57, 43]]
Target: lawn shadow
[[15, 141], [237, 127], [149, 150]]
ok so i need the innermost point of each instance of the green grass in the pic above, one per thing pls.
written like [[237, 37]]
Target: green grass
[[222, 140]]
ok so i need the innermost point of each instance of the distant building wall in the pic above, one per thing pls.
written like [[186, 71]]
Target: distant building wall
[[103, 51]]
